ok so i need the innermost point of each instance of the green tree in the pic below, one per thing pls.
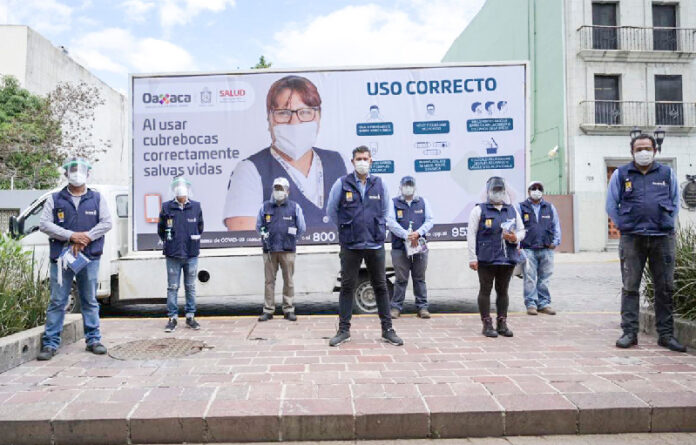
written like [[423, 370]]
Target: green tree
[[262, 63]]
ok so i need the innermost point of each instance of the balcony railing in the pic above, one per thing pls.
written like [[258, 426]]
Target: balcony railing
[[633, 38], [612, 113]]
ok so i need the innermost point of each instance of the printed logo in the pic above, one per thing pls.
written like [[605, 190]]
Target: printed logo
[[663, 183], [349, 196], [91, 212], [191, 220], [375, 196], [399, 214], [268, 218], [628, 185], [170, 222], [287, 218], [206, 96], [166, 99], [488, 223], [61, 215], [526, 217]]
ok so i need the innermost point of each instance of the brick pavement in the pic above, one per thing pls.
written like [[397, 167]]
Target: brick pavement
[[280, 380]]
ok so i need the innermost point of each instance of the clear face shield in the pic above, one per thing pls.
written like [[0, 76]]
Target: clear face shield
[[77, 171], [408, 187], [496, 190], [180, 188]]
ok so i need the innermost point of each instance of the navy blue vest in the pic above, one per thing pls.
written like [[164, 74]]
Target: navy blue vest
[[333, 167], [361, 221], [539, 232], [278, 219], [489, 245], [405, 214], [645, 203], [80, 219], [185, 227]]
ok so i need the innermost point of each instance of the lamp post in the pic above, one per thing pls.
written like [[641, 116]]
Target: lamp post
[[635, 132], [659, 138]]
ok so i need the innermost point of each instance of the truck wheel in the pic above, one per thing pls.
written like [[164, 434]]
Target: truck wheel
[[364, 296], [74, 305]]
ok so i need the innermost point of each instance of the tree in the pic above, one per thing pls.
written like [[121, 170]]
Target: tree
[[262, 63], [38, 133]]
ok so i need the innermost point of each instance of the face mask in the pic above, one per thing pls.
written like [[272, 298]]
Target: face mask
[[536, 194], [644, 157], [362, 167], [496, 197], [408, 190], [181, 190], [279, 195], [295, 140], [77, 179]]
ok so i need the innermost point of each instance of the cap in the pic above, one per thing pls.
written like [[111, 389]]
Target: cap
[[281, 181], [408, 180], [535, 182]]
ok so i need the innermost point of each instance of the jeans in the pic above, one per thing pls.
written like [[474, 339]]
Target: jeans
[[286, 261], [350, 268], [416, 265], [87, 281], [500, 274], [658, 251], [174, 267], [537, 273]]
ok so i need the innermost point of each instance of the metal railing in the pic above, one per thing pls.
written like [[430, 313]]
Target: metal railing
[[635, 113], [634, 38]]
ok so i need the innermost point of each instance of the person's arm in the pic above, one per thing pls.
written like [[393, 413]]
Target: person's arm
[[556, 227], [429, 223], [47, 226], [161, 226], [200, 221], [472, 230], [332, 204], [104, 224], [244, 195], [612, 204], [259, 220], [674, 190], [521, 231], [393, 226], [301, 225], [387, 203]]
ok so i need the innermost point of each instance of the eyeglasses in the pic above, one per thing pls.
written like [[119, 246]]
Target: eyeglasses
[[283, 116]]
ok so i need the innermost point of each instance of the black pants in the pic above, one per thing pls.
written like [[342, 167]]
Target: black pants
[[500, 274], [658, 251], [350, 268]]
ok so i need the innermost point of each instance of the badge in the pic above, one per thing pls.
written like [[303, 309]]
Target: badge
[[489, 223], [268, 218], [628, 186], [399, 214], [61, 215], [170, 222], [349, 196], [526, 217]]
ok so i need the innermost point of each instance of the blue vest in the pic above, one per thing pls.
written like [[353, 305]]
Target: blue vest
[[183, 225], [645, 204], [539, 232], [278, 219], [80, 219], [489, 238], [333, 168], [361, 221], [405, 214]]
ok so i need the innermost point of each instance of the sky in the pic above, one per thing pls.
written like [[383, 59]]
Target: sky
[[113, 38]]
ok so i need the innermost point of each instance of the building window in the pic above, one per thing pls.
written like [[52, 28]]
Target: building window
[[664, 24], [607, 105], [604, 31], [669, 108]]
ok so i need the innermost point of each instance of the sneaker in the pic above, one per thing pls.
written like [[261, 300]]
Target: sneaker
[[423, 313], [340, 337], [390, 337], [265, 317], [395, 313], [532, 310], [488, 330], [192, 323], [671, 343], [290, 316], [96, 348], [548, 310], [46, 353], [627, 340], [171, 325]]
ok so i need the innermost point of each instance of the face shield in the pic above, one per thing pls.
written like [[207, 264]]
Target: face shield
[[496, 190], [408, 186], [77, 171], [180, 188]]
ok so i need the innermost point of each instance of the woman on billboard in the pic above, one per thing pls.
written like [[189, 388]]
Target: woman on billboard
[[293, 107]]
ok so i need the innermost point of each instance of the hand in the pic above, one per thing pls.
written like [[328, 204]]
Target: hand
[[551, 246], [76, 248], [510, 237], [413, 237], [473, 265], [80, 238]]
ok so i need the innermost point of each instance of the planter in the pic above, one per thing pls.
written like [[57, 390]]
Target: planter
[[684, 330]]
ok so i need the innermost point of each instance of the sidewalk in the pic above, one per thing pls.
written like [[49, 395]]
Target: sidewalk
[[280, 380]]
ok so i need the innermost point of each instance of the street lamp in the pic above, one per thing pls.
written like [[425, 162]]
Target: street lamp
[[659, 138], [635, 132]]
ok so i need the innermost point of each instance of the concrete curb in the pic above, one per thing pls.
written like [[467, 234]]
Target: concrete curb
[[24, 346], [684, 330]]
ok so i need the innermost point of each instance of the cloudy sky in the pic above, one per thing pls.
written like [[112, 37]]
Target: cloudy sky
[[116, 37]]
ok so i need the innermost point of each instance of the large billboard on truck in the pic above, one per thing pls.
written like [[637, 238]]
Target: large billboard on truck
[[449, 126]]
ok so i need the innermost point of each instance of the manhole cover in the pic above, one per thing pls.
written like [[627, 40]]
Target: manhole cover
[[153, 349]]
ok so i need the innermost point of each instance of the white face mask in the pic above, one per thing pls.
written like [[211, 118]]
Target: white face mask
[[408, 190], [644, 157], [362, 167], [536, 194], [297, 139], [77, 179], [279, 195], [181, 190], [496, 197]]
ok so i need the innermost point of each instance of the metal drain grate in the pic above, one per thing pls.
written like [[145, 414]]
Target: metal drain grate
[[158, 348]]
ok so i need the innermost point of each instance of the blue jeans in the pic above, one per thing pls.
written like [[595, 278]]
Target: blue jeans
[[87, 281], [416, 265], [537, 273], [174, 267]]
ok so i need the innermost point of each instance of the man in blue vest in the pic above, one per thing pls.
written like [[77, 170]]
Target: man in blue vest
[[180, 227], [280, 222], [643, 201], [411, 220], [359, 206], [75, 217], [542, 237]]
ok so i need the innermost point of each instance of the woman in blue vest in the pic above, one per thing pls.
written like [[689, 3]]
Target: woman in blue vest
[[180, 228], [495, 229], [76, 217], [293, 108]]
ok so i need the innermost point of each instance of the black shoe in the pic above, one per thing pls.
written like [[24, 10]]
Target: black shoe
[[627, 340], [671, 343], [192, 323], [96, 348], [46, 353], [488, 330], [290, 316], [390, 337], [502, 327], [171, 325], [265, 317], [340, 337]]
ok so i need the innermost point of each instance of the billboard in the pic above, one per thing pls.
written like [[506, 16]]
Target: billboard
[[230, 135]]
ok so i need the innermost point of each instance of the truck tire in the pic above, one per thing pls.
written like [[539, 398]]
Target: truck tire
[[74, 305], [364, 301]]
